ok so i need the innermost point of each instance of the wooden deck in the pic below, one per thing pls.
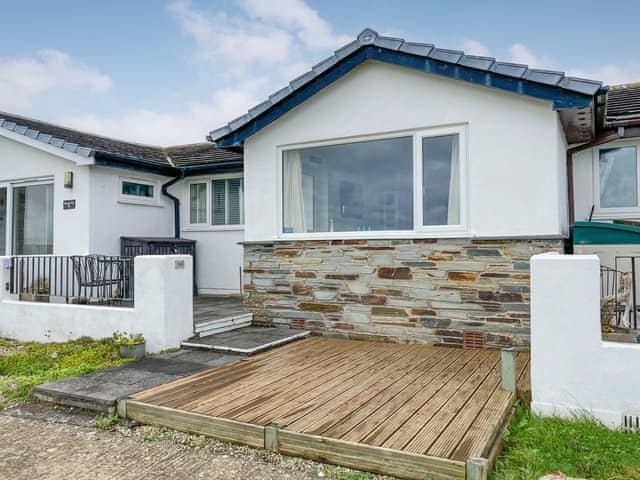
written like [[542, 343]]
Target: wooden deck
[[407, 410]]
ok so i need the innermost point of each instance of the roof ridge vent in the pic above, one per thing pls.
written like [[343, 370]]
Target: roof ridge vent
[[367, 36]]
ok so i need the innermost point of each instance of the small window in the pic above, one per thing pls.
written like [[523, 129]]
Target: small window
[[227, 208], [198, 203], [618, 177], [130, 189]]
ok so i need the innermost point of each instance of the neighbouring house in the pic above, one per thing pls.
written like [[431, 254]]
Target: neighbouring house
[[397, 190], [65, 192]]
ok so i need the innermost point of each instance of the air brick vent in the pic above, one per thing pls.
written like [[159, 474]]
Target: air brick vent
[[297, 323], [631, 423], [473, 340]]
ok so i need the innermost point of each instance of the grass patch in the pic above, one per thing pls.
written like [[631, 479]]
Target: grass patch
[[581, 447], [37, 363], [105, 422]]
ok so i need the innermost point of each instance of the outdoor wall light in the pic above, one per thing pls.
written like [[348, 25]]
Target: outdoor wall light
[[68, 179]]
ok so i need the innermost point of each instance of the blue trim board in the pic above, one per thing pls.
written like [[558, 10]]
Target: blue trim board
[[561, 98]]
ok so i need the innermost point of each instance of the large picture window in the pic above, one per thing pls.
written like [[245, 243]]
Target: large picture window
[[401, 184], [351, 187]]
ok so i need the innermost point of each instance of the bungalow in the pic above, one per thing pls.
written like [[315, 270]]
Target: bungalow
[[394, 192], [66, 192], [397, 191]]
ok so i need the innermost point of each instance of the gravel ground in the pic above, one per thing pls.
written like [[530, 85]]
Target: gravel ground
[[46, 443]]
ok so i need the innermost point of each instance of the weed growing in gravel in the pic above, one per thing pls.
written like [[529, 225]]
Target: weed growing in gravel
[[338, 475], [158, 436], [105, 422], [578, 448], [37, 363]]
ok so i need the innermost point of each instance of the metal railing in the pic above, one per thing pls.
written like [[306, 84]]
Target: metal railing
[[78, 279], [619, 293]]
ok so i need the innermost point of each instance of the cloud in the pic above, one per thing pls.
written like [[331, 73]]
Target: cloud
[[519, 53], [608, 74], [296, 15], [474, 47], [257, 34], [156, 127], [23, 80], [260, 46]]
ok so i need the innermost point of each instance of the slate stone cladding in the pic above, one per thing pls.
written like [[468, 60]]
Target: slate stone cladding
[[410, 291]]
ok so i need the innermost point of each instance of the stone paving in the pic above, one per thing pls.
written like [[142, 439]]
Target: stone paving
[[99, 391]]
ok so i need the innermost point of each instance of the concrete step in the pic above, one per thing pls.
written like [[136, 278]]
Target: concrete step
[[223, 324], [247, 340]]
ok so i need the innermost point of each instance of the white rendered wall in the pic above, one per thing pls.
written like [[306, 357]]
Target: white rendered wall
[[219, 256], [219, 251], [20, 162], [163, 310], [572, 369], [515, 149], [112, 218]]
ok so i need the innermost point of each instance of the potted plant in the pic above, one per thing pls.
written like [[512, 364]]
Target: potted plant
[[132, 345], [38, 291]]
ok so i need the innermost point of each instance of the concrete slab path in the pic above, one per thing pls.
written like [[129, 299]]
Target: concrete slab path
[[99, 391]]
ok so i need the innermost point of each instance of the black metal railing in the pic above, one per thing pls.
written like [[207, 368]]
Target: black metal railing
[[79, 279], [135, 246], [619, 293]]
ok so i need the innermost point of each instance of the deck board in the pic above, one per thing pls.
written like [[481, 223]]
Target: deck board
[[415, 400]]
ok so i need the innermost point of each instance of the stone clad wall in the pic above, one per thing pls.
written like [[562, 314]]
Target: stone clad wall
[[423, 291]]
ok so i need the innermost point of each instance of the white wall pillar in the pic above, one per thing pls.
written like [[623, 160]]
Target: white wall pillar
[[572, 369], [164, 299]]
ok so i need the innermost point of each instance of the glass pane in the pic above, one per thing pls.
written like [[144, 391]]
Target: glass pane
[[137, 189], [234, 186], [198, 203], [618, 178], [363, 186], [440, 181], [33, 220], [3, 221], [219, 202]]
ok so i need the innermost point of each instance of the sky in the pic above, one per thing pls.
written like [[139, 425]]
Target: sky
[[167, 72]]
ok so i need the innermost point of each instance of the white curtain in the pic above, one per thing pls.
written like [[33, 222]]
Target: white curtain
[[293, 199], [453, 215]]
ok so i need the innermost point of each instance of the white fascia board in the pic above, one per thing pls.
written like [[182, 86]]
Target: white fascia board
[[78, 159]]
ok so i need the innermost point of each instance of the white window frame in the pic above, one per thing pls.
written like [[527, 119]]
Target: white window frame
[[8, 219], [29, 182], [419, 230], [208, 226], [612, 213], [135, 199]]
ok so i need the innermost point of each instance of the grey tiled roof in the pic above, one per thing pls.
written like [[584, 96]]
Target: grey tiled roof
[[370, 37], [622, 104], [85, 144], [199, 154], [79, 142]]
